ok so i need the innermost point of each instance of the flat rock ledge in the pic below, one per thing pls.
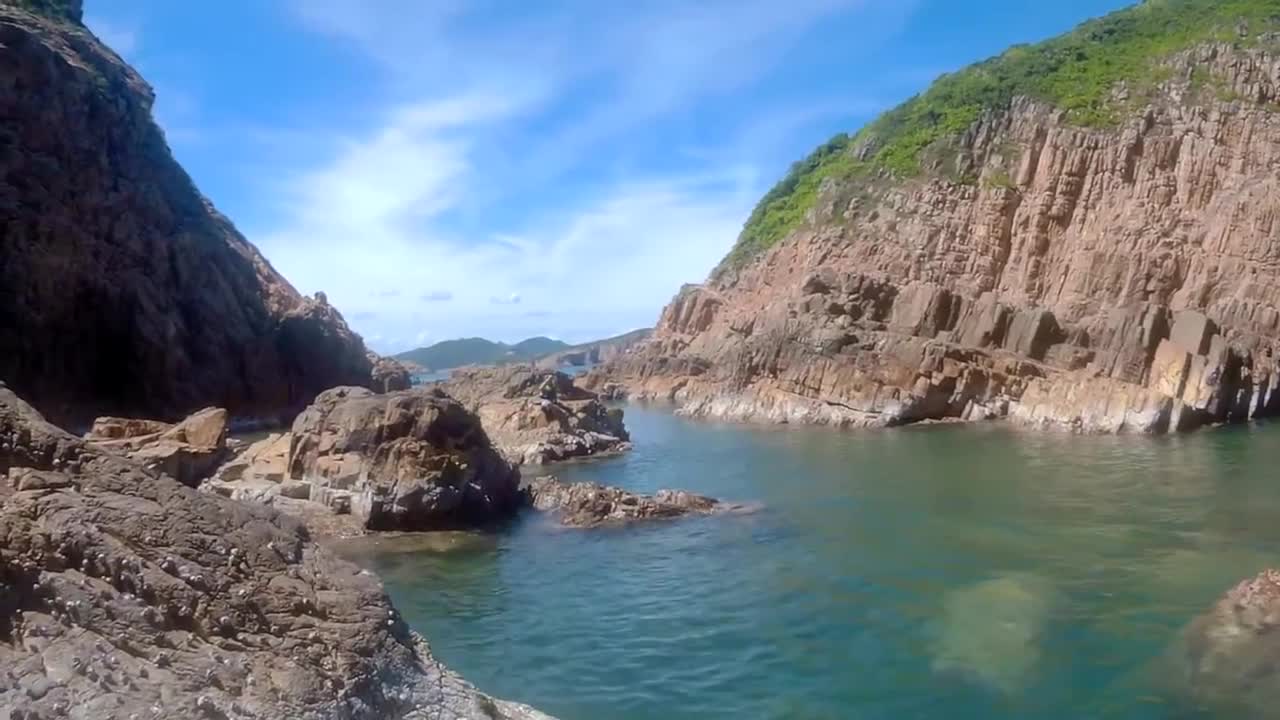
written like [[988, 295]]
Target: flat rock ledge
[[188, 452], [125, 594], [588, 505]]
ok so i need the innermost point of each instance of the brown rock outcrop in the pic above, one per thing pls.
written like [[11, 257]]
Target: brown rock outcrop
[[188, 452], [412, 460], [536, 416], [389, 375], [1229, 658], [591, 505], [122, 290], [1097, 279], [125, 594]]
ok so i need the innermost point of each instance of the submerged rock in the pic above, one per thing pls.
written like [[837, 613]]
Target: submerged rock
[[991, 631], [188, 452], [126, 594], [536, 416], [412, 460], [592, 505]]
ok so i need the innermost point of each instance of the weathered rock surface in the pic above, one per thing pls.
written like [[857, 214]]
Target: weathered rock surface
[[257, 474], [592, 505], [188, 452], [1099, 280], [537, 416], [412, 460], [122, 290], [389, 375], [1230, 655], [125, 594]]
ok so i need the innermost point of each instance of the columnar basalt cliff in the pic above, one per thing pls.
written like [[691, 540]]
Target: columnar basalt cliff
[[122, 290], [1118, 275], [125, 594]]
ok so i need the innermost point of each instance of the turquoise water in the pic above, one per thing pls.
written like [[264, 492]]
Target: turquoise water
[[915, 573]]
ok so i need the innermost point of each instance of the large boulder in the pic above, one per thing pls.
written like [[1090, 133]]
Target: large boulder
[[412, 460], [1231, 655], [389, 375], [537, 416], [126, 594], [188, 452], [122, 290]]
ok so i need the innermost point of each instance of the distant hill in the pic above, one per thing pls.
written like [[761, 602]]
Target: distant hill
[[545, 351], [596, 351], [478, 351]]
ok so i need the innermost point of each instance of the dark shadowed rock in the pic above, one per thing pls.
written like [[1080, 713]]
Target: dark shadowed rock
[[125, 594], [412, 460], [537, 416], [593, 505], [122, 290]]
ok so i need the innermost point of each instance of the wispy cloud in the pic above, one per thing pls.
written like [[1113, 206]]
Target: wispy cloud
[[512, 299], [502, 174]]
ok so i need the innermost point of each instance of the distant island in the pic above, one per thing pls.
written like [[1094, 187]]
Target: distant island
[[451, 354]]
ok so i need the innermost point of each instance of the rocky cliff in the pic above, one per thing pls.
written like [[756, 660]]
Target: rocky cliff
[[1087, 249], [122, 290]]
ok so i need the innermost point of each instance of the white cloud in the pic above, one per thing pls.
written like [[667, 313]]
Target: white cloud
[[501, 109]]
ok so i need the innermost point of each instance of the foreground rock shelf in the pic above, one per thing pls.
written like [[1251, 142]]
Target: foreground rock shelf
[[124, 593]]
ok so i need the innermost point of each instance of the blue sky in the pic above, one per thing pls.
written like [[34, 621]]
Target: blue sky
[[448, 168]]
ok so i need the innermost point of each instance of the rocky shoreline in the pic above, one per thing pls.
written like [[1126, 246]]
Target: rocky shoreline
[[1082, 279], [126, 593]]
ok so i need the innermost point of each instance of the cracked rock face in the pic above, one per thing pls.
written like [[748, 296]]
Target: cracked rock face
[[1097, 280], [188, 452], [538, 416], [412, 460], [125, 594], [122, 290]]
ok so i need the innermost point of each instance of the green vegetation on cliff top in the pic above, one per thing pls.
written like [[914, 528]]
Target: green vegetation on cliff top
[[1076, 72]]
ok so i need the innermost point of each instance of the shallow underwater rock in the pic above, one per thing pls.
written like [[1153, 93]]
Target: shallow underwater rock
[[991, 631]]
